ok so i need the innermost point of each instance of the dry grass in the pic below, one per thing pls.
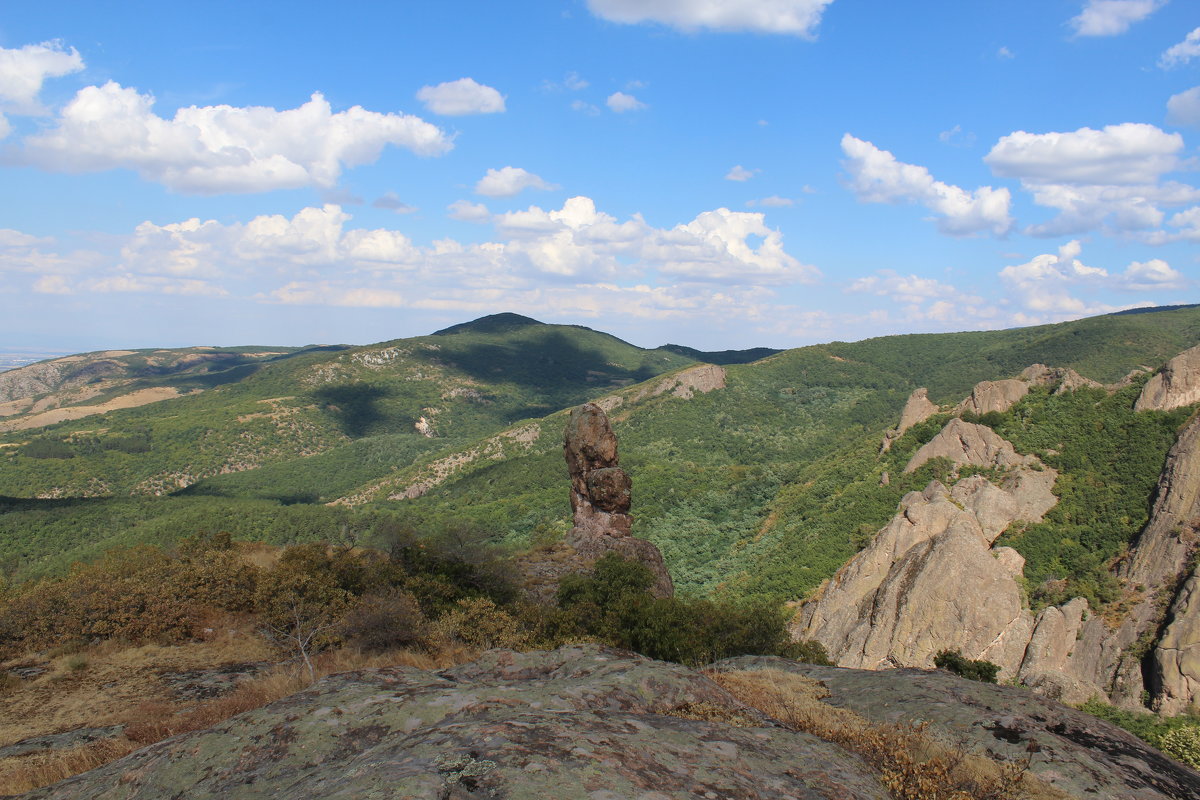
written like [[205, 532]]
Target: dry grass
[[121, 685], [912, 764], [47, 767]]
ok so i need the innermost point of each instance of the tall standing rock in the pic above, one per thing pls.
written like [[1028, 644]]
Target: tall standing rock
[[601, 495]]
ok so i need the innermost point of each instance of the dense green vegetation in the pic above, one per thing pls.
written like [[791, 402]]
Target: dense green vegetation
[[1179, 736], [761, 489], [1109, 459], [971, 669]]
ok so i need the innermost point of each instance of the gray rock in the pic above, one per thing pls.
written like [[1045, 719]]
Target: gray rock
[[1073, 751], [59, 741], [579, 723]]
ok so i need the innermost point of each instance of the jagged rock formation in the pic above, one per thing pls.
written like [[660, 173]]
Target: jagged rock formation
[[993, 396], [589, 723], [931, 579], [601, 496], [966, 443], [1062, 378], [1176, 385], [917, 408]]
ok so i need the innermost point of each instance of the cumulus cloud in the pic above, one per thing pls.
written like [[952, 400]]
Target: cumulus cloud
[[461, 97], [621, 103], [792, 17], [1180, 54], [1092, 177], [1112, 17], [1152, 274], [924, 299], [739, 173], [718, 259], [1183, 109], [469, 212], [1129, 153], [220, 149], [877, 177], [24, 70], [1043, 284], [508, 181]]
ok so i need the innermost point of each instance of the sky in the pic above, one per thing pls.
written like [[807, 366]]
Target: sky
[[714, 173]]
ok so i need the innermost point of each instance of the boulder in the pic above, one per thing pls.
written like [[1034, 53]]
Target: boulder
[[965, 443]]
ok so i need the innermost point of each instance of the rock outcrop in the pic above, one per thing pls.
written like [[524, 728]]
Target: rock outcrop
[[601, 495], [917, 409], [931, 579], [1062, 378], [1072, 751], [1177, 384], [579, 723], [993, 396], [590, 723]]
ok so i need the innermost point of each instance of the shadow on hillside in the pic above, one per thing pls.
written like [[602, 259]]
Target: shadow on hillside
[[45, 504], [354, 405], [553, 365]]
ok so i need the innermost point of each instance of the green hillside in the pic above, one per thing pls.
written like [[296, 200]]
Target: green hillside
[[763, 487], [421, 394]]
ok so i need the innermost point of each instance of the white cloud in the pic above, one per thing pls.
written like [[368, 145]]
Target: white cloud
[[1183, 109], [739, 173], [574, 82], [392, 202], [460, 97], [508, 181], [1096, 177], [1043, 284], [469, 212], [24, 70], [218, 149], [877, 177], [794, 17], [1005, 53], [1112, 17], [1129, 153], [924, 299], [621, 102], [1150, 275], [1180, 54]]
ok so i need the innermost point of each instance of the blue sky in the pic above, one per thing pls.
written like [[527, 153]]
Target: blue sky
[[717, 173]]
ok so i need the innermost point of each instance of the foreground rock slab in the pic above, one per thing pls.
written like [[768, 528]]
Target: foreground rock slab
[[1072, 751], [580, 722]]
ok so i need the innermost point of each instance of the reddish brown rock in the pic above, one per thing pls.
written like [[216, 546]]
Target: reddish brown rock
[[601, 496]]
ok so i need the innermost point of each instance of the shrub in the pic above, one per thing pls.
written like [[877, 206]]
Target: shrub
[[385, 621], [1184, 744], [479, 622], [953, 661]]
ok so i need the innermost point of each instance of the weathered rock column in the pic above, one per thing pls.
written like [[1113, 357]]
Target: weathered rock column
[[601, 495]]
